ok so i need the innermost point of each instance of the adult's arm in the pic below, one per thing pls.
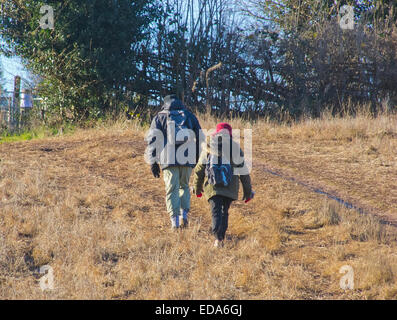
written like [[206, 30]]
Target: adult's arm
[[152, 139], [199, 137]]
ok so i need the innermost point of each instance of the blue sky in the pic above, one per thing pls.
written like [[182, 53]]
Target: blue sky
[[12, 67]]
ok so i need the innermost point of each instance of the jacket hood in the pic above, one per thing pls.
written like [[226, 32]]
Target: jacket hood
[[171, 102], [219, 142]]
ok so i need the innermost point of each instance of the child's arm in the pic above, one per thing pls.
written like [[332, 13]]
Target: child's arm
[[247, 187], [245, 179], [199, 175]]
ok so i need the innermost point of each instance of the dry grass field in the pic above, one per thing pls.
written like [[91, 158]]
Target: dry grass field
[[87, 205]]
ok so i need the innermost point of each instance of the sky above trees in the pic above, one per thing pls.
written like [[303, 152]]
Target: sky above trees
[[286, 57], [12, 67]]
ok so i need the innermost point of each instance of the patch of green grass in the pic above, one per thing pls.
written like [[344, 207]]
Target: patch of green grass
[[37, 133], [14, 138], [29, 135]]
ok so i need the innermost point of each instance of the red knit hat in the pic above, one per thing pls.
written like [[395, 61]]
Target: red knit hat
[[222, 126]]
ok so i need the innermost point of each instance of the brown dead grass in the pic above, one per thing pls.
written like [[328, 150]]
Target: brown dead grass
[[88, 206]]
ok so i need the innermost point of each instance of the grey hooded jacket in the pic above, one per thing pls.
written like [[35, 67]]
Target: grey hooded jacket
[[161, 154]]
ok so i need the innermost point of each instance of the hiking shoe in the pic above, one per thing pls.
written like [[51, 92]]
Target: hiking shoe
[[184, 218], [218, 244], [174, 222], [185, 223]]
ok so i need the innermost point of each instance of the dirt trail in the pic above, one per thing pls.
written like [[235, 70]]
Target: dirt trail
[[347, 202], [353, 174]]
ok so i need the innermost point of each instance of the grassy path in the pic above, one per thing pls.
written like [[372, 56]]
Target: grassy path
[[87, 205]]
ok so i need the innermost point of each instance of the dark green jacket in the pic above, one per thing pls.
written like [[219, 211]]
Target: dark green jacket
[[200, 181]]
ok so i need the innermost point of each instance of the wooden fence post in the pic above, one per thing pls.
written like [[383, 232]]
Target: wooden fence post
[[14, 115]]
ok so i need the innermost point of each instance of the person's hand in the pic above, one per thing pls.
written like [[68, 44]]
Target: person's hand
[[250, 197], [155, 170]]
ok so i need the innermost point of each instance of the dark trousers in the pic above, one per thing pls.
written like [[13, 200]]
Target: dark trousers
[[220, 215]]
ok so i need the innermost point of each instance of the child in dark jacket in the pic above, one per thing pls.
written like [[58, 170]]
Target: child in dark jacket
[[220, 197]]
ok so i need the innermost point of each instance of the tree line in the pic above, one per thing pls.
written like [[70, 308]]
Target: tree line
[[274, 58]]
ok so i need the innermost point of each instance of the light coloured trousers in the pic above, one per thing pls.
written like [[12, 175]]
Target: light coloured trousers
[[177, 191]]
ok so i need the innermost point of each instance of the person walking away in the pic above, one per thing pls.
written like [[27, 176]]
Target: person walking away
[[217, 175], [174, 146]]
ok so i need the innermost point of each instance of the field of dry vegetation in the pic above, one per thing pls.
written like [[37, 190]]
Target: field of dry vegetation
[[87, 205]]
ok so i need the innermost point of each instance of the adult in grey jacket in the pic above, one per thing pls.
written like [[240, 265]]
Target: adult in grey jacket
[[174, 145]]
